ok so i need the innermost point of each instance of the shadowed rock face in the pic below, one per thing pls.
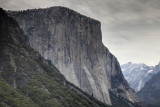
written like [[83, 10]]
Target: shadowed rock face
[[73, 43], [150, 92]]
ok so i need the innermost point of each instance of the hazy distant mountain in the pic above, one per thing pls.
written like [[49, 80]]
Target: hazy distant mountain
[[150, 93], [137, 74]]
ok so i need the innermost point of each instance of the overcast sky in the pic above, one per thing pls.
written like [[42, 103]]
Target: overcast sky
[[130, 28]]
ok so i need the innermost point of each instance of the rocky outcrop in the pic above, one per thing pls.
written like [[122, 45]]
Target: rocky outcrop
[[29, 80], [73, 43]]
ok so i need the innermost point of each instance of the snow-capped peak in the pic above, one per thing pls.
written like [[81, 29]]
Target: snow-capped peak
[[137, 74]]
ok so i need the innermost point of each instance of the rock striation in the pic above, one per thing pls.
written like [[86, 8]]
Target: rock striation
[[73, 43], [29, 80]]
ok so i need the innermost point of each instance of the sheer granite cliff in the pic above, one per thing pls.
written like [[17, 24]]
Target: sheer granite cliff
[[29, 80], [73, 43]]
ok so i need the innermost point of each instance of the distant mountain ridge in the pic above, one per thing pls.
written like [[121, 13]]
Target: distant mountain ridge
[[150, 93], [137, 74]]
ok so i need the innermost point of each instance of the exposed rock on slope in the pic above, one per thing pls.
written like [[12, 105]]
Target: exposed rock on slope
[[27, 79], [73, 43]]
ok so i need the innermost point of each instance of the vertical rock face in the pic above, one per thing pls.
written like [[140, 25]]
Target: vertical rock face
[[27, 79], [73, 43]]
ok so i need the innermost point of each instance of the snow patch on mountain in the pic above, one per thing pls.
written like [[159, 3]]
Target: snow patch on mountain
[[137, 74], [150, 71]]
